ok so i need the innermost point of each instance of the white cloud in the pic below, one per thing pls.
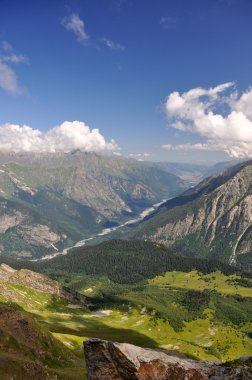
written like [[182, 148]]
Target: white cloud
[[140, 156], [197, 146], [62, 138], [218, 114], [169, 146], [8, 55], [75, 24], [112, 45], [244, 103], [8, 78], [135, 154], [15, 58], [238, 150]]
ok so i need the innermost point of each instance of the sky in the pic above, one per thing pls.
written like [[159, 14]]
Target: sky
[[163, 80]]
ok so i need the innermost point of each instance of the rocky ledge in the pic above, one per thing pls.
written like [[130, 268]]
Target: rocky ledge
[[120, 361]]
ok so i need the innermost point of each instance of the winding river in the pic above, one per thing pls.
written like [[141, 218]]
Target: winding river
[[105, 231]]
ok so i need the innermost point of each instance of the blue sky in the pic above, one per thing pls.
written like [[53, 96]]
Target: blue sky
[[112, 64]]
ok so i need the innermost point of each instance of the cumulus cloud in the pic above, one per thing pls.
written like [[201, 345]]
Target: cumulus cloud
[[76, 25], [219, 115], [62, 138], [112, 45], [8, 77]]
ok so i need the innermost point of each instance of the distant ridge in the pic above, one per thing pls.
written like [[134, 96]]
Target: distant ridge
[[50, 201]]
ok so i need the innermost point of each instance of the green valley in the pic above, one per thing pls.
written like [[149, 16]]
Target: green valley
[[148, 297]]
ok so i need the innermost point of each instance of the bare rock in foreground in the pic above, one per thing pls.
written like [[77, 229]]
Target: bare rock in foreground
[[121, 361]]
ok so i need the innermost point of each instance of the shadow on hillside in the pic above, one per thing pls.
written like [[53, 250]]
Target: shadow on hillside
[[94, 328]]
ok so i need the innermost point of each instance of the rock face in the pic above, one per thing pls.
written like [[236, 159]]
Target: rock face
[[120, 361], [212, 220]]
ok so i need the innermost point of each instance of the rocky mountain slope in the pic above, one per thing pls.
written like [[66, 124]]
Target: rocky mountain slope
[[49, 201], [212, 220], [108, 360]]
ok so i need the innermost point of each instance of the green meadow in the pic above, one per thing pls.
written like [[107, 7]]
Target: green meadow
[[206, 316]]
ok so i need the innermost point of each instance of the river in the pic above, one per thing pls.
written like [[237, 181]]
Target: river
[[105, 231]]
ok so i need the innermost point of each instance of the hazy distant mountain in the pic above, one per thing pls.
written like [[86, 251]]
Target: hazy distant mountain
[[219, 167], [193, 173], [49, 201], [213, 220]]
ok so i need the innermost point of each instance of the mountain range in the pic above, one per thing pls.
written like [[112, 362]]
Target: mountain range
[[50, 201], [168, 284], [211, 220]]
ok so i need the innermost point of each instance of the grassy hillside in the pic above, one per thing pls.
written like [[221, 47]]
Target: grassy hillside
[[139, 292], [29, 351]]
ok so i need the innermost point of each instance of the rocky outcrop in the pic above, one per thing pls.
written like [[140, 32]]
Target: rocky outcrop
[[38, 282], [39, 235], [8, 221], [120, 361]]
